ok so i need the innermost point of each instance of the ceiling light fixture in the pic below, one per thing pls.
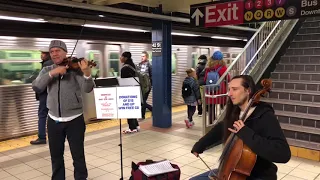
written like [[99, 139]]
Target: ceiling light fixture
[[226, 38], [184, 34], [22, 19], [115, 28]]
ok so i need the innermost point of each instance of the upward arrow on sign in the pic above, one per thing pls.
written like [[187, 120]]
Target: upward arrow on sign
[[197, 14]]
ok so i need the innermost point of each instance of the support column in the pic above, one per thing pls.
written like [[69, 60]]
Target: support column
[[161, 74]]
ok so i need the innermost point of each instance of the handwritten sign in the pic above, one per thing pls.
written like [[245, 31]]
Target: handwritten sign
[[118, 102], [106, 103], [129, 102]]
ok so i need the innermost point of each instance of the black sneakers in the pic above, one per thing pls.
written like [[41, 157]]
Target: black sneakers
[[39, 141]]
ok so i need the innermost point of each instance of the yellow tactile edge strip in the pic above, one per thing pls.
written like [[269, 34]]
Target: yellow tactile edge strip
[[25, 141], [305, 153]]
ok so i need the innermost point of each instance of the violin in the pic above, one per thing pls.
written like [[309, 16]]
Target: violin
[[237, 159], [72, 62]]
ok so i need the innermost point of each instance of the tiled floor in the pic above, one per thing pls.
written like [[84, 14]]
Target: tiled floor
[[103, 155]]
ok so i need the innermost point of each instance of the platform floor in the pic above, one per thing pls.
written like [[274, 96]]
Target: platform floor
[[103, 154]]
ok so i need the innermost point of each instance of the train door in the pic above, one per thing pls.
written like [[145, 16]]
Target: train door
[[112, 60]]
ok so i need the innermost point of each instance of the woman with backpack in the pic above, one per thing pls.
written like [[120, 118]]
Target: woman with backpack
[[215, 69], [127, 72], [191, 95]]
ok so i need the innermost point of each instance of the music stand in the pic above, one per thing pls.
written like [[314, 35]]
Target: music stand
[[117, 82]]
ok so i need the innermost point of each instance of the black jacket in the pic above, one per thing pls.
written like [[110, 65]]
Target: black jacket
[[126, 72], [200, 71], [44, 64], [263, 135]]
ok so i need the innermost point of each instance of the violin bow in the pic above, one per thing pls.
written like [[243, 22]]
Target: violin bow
[[77, 41]]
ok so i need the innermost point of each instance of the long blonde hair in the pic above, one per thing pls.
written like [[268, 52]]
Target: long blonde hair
[[212, 63]]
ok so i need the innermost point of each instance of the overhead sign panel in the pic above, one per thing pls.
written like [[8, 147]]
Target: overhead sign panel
[[230, 12]]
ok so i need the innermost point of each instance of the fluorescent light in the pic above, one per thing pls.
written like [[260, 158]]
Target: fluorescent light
[[184, 34], [115, 28], [225, 38], [101, 15], [22, 19], [8, 37]]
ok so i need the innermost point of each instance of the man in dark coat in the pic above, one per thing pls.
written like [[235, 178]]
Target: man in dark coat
[[42, 98], [200, 75]]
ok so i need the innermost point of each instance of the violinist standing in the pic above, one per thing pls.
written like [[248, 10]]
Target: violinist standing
[[65, 117], [261, 131], [42, 98]]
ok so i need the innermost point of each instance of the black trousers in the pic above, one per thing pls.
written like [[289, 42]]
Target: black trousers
[[74, 131], [191, 111], [133, 123], [145, 105]]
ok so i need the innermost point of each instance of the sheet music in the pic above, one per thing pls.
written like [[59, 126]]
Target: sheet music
[[157, 168]]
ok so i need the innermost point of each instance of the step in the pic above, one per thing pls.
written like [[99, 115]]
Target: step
[[309, 30], [312, 19], [294, 106], [310, 36], [300, 143], [288, 59], [296, 85], [303, 51], [296, 95], [305, 44], [296, 75], [308, 24], [298, 67], [302, 129], [302, 133], [304, 120]]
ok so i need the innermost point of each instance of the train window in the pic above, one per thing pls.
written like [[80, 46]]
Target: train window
[[195, 57], [96, 57], [114, 64], [173, 62], [19, 66]]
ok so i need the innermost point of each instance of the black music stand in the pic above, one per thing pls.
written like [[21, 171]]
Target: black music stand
[[117, 82], [112, 82]]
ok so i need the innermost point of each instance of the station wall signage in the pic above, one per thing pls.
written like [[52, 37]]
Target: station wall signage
[[228, 12]]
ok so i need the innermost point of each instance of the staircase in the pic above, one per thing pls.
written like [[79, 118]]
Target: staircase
[[296, 88]]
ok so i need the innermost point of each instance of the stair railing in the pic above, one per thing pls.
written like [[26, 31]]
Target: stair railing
[[215, 96]]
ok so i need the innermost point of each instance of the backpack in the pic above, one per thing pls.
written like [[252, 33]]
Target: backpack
[[137, 174], [213, 77], [186, 89], [144, 80]]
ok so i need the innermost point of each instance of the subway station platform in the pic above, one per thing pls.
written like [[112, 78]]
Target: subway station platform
[[20, 161]]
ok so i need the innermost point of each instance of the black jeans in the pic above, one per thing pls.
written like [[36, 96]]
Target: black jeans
[[191, 111], [145, 105], [42, 115], [74, 131], [133, 123]]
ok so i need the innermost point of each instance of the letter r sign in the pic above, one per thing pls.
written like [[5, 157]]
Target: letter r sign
[[224, 14]]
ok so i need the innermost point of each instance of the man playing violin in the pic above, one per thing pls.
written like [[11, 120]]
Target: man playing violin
[[261, 131], [65, 117]]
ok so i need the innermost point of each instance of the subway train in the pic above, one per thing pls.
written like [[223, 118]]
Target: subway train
[[19, 66]]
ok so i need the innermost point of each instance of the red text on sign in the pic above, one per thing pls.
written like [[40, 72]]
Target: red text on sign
[[224, 14]]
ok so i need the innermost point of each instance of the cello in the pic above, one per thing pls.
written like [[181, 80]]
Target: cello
[[237, 159]]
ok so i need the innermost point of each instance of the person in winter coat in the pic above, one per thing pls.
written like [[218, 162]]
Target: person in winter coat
[[216, 63], [191, 95], [261, 131], [200, 75], [127, 72], [42, 98]]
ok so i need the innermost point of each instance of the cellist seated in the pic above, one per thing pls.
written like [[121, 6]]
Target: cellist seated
[[261, 131]]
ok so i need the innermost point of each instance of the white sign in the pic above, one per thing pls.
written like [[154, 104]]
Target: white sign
[[129, 102], [106, 103], [118, 102]]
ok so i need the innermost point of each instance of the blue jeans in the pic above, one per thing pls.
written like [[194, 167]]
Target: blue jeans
[[42, 115]]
